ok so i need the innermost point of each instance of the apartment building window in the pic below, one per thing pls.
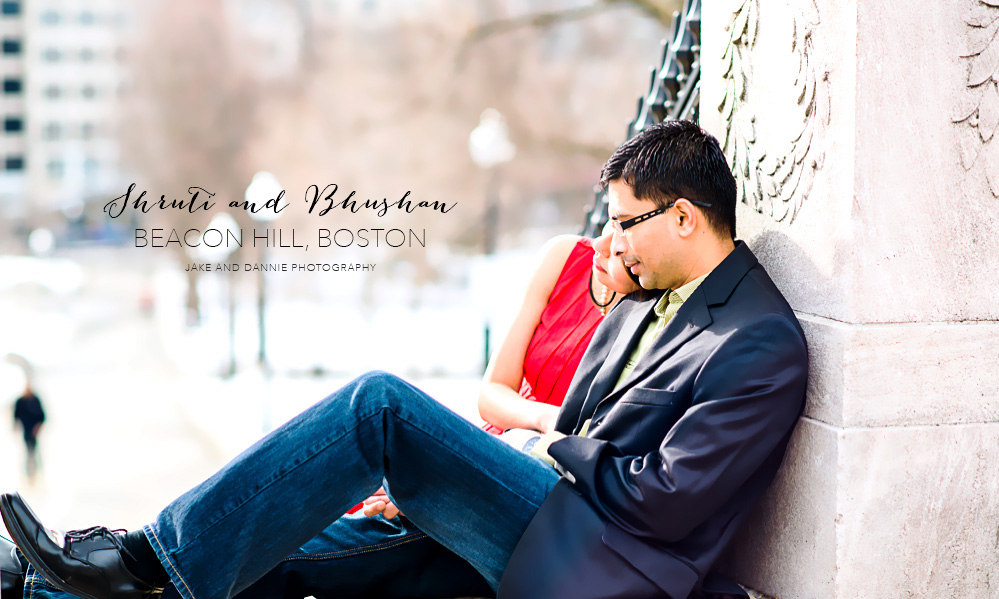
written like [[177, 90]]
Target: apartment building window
[[13, 124], [56, 169], [51, 55], [52, 130], [90, 168], [52, 92], [87, 55], [87, 130], [89, 92], [12, 85], [10, 8], [14, 163], [87, 18], [11, 46], [50, 17]]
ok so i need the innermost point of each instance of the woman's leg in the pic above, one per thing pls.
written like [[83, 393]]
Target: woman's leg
[[370, 557]]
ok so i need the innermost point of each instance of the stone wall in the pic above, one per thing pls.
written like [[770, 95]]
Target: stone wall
[[862, 135]]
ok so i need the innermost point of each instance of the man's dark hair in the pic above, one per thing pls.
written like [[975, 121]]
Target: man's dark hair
[[677, 159]]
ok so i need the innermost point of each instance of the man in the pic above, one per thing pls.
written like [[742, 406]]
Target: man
[[28, 412], [674, 425]]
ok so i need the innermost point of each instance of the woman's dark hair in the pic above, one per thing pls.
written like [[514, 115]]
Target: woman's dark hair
[[677, 159]]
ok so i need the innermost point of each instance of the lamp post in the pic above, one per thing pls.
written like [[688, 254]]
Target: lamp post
[[490, 146], [41, 241], [220, 252], [264, 186]]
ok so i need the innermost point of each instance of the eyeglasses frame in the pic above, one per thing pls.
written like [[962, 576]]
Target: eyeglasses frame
[[623, 225]]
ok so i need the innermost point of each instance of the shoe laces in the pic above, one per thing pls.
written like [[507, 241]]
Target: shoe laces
[[99, 531]]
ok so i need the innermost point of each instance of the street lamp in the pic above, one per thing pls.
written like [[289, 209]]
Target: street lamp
[[490, 146], [264, 186], [220, 252], [41, 241]]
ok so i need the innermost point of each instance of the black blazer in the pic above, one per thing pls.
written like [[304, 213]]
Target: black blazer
[[677, 456]]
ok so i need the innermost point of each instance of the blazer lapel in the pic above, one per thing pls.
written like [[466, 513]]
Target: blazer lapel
[[689, 320], [610, 370]]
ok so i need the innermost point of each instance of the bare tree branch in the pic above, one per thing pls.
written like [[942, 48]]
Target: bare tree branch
[[570, 146], [660, 10], [539, 20]]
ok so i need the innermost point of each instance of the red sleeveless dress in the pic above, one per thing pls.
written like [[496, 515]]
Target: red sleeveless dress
[[560, 339]]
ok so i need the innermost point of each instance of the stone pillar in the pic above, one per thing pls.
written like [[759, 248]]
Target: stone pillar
[[863, 135]]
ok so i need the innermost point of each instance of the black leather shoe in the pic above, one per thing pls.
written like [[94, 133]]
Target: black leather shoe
[[11, 571], [86, 563]]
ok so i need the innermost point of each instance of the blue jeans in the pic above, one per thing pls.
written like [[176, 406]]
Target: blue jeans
[[466, 489]]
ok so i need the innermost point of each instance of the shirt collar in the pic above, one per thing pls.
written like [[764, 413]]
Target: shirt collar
[[677, 296]]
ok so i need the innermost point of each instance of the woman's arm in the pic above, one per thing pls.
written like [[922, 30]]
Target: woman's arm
[[500, 403]]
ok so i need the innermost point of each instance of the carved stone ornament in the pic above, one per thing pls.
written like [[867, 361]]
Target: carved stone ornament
[[774, 100], [977, 111]]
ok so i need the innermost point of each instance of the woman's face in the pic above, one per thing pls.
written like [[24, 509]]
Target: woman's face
[[610, 270]]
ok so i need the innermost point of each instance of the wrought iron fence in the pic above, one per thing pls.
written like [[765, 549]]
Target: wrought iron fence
[[674, 93]]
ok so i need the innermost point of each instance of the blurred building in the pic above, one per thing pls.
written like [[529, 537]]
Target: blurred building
[[74, 77], [13, 107]]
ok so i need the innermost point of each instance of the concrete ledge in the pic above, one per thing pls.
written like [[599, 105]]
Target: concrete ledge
[[876, 375]]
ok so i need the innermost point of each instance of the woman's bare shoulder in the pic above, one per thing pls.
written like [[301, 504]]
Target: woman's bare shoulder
[[556, 251], [551, 260]]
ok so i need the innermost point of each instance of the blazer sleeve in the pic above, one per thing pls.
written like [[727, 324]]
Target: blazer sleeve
[[746, 399]]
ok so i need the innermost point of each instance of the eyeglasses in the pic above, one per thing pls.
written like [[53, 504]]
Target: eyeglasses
[[623, 225]]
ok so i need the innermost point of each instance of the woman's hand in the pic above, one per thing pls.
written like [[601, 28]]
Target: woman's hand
[[379, 503]]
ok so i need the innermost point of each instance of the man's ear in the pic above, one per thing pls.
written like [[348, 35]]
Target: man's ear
[[686, 216]]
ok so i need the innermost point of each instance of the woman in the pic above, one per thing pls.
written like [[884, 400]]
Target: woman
[[575, 283], [566, 299]]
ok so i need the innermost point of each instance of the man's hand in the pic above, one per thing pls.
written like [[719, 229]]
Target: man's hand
[[541, 447], [379, 503]]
